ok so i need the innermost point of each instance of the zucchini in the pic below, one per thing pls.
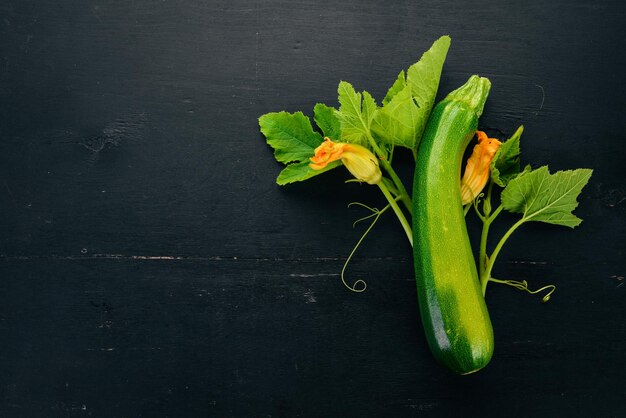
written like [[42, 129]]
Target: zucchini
[[452, 306]]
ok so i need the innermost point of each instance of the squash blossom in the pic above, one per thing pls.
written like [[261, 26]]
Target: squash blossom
[[360, 161], [476, 172]]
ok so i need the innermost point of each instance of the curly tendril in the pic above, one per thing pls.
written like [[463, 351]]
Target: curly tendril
[[359, 285], [523, 285]]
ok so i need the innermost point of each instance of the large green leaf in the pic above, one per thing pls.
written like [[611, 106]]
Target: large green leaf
[[544, 197], [399, 121], [290, 134], [294, 142], [424, 75], [407, 105]]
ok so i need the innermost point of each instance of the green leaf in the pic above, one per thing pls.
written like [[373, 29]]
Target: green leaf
[[544, 197], [301, 171], [396, 87], [505, 165], [399, 121], [407, 105], [291, 135], [294, 142], [355, 114], [326, 118], [424, 75]]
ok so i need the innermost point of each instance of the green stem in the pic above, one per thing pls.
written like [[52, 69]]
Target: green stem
[[486, 274], [482, 252], [384, 161], [495, 214], [487, 217], [398, 211], [381, 155], [404, 195]]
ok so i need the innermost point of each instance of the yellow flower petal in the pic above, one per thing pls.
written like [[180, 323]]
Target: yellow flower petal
[[327, 152], [360, 161], [476, 172]]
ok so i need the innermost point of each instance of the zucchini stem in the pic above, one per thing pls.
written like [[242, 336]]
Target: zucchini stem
[[404, 195], [486, 273], [394, 205], [482, 253], [485, 263], [386, 164]]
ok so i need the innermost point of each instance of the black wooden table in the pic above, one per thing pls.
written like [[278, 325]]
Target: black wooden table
[[150, 266]]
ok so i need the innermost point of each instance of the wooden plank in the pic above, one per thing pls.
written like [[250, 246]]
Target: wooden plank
[[149, 265]]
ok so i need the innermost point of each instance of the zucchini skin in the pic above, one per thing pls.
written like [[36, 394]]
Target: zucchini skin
[[453, 310]]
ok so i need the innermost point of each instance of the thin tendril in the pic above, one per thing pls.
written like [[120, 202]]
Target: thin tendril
[[363, 205], [376, 214], [475, 203], [365, 218], [523, 285]]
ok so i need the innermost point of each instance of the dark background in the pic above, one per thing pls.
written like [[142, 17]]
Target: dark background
[[149, 265]]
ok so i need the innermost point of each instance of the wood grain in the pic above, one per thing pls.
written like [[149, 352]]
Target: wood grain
[[149, 265]]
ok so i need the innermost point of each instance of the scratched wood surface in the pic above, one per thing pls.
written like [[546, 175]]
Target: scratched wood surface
[[149, 266]]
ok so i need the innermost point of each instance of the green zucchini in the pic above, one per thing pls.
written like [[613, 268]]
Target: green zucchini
[[452, 306]]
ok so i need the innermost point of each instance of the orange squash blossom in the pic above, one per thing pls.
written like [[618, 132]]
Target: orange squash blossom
[[476, 172], [360, 161]]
